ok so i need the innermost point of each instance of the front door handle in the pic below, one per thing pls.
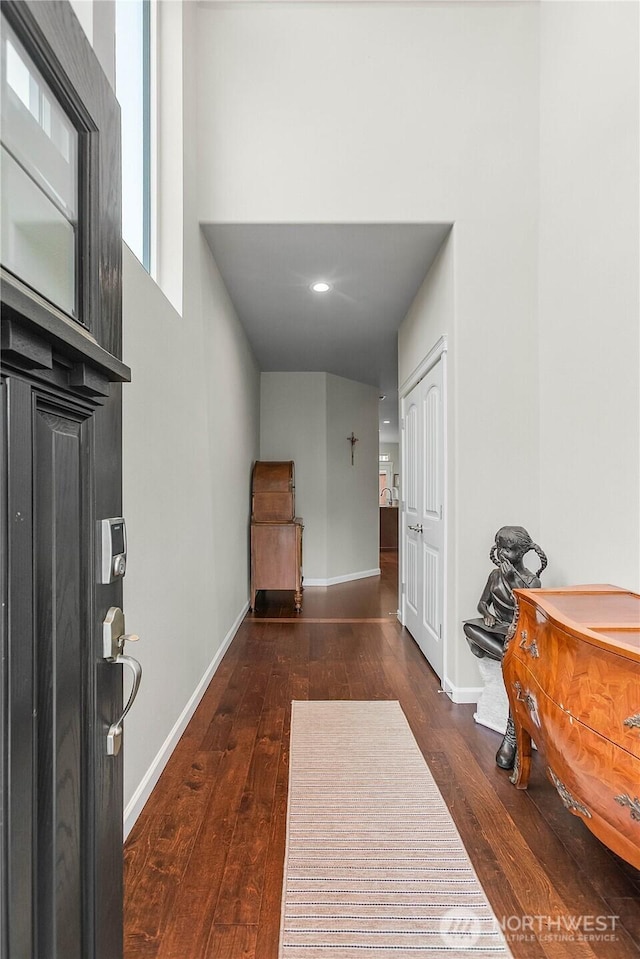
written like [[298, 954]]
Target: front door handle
[[417, 529], [113, 640]]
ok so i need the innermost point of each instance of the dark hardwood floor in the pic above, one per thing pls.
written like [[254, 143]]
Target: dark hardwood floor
[[373, 598], [203, 864]]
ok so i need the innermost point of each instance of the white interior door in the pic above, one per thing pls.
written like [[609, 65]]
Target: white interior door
[[423, 515], [411, 512]]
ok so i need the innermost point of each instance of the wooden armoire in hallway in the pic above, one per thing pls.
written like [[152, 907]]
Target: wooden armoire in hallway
[[276, 533]]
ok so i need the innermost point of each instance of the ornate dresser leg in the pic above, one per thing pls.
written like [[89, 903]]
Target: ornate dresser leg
[[522, 767]]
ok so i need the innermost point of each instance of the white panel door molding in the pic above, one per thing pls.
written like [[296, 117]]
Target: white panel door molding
[[423, 540], [411, 571]]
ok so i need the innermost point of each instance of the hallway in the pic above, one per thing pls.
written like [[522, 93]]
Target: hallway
[[374, 598], [203, 863]]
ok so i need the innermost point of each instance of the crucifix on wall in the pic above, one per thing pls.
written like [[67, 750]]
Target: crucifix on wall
[[353, 440]]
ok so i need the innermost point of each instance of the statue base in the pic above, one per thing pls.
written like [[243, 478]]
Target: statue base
[[493, 706]]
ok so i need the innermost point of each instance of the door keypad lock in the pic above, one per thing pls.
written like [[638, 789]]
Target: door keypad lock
[[113, 640], [112, 549]]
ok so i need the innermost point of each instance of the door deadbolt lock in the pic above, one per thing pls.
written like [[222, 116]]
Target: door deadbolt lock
[[113, 640], [112, 549]]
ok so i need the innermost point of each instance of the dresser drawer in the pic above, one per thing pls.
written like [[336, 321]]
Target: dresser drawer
[[543, 650], [597, 780], [599, 688], [605, 695]]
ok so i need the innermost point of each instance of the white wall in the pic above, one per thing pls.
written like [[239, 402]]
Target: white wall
[[83, 10], [353, 523], [293, 426], [431, 316], [382, 112], [589, 305], [190, 437], [307, 417], [403, 113], [584, 389], [98, 21]]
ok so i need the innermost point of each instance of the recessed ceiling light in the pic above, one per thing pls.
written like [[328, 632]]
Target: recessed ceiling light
[[320, 287], [386, 422]]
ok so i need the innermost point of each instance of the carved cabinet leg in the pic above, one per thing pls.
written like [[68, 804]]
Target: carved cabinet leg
[[298, 600], [522, 766]]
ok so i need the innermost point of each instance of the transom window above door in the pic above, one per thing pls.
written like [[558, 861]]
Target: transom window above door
[[39, 180]]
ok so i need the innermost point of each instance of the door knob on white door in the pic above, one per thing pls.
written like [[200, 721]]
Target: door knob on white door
[[417, 529]]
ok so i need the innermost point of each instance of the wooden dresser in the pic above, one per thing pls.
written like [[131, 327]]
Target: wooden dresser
[[276, 533], [572, 673]]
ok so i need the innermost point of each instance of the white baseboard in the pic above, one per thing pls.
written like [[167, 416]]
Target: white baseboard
[[462, 694], [136, 803], [334, 580], [490, 725]]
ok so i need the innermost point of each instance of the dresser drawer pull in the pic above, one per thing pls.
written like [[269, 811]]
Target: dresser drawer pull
[[633, 722], [531, 647], [529, 700], [633, 804], [570, 802]]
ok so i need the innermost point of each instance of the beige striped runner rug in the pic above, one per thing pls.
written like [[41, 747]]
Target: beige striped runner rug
[[374, 864]]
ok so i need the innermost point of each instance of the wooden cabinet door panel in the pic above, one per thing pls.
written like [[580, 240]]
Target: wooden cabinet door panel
[[275, 555], [61, 631]]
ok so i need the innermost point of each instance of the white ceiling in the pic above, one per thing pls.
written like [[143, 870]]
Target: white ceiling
[[374, 270]]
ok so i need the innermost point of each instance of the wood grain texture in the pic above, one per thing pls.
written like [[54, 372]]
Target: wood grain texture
[[60, 733], [571, 692], [89, 96], [272, 507], [601, 685], [273, 492], [389, 527], [221, 896], [276, 559], [375, 597], [273, 476], [4, 654], [18, 589], [59, 653], [57, 42]]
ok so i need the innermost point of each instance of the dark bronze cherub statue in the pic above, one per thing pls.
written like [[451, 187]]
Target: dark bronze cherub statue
[[486, 636]]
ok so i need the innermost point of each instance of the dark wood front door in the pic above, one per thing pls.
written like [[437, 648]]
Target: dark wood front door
[[61, 830]]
